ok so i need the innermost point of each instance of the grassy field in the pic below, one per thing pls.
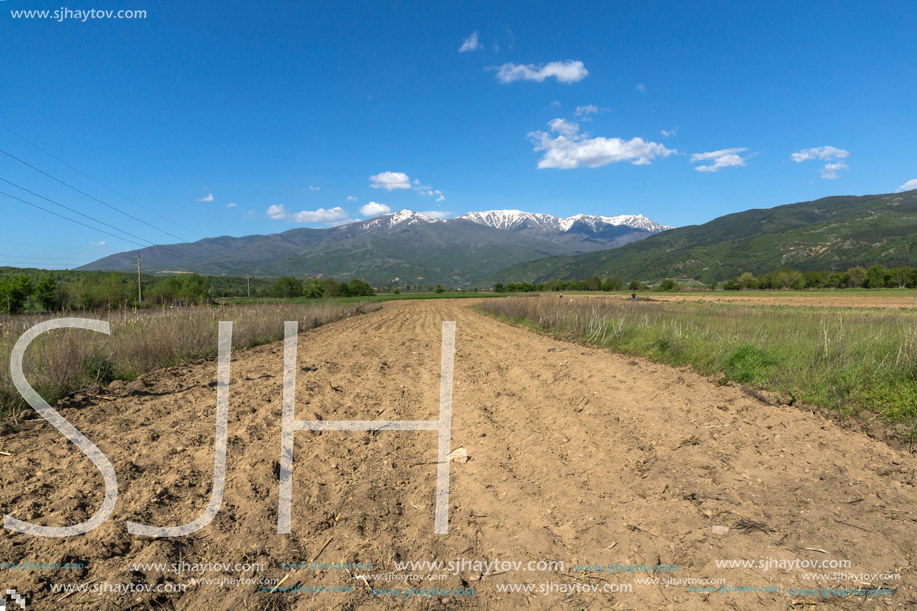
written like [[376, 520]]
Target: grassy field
[[854, 361], [61, 361], [370, 299]]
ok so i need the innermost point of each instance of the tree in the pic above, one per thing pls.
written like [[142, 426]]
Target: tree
[[499, 288], [331, 288], [357, 288], [746, 281], [815, 280], [46, 293], [611, 284], [900, 275], [838, 280], [635, 285], [313, 289], [593, 283], [439, 289], [188, 288], [13, 293], [668, 284], [856, 275], [877, 277], [287, 287]]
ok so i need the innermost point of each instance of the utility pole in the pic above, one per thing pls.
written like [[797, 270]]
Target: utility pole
[[248, 281], [293, 265], [139, 291]]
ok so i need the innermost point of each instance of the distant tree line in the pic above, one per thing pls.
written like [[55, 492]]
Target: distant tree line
[[314, 288], [33, 290], [593, 283], [875, 277]]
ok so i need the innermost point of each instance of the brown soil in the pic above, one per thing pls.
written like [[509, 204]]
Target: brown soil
[[578, 455]]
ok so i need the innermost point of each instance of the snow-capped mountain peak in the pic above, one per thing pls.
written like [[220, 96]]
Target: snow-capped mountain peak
[[514, 219], [511, 219], [405, 217]]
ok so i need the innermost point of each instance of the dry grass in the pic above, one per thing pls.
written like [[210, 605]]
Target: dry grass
[[63, 360]]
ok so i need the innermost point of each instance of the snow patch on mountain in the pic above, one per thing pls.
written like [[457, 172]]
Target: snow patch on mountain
[[513, 219]]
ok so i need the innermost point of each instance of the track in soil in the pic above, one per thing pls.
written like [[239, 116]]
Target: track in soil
[[577, 455]]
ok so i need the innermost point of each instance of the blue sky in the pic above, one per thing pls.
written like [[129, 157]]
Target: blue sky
[[238, 118]]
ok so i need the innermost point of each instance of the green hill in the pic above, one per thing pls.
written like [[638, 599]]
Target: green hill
[[833, 233]]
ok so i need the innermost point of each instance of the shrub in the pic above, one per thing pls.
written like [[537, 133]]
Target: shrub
[[746, 363]]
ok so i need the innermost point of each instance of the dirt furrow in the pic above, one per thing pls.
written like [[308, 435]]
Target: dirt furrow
[[577, 455]]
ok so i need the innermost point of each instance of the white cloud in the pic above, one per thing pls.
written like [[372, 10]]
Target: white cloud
[[390, 181], [572, 149], [826, 153], [641, 87], [276, 212], [833, 170], [207, 198], [102, 243], [668, 133], [725, 158], [231, 205], [374, 208], [312, 188], [554, 104], [332, 215], [435, 214], [471, 43], [564, 127], [329, 217], [909, 185], [583, 112], [351, 198], [565, 72]]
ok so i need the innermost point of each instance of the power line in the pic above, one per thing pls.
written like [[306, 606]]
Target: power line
[[67, 218], [73, 210], [180, 239], [221, 255], [92, 197], [165, 248], [101, 184]]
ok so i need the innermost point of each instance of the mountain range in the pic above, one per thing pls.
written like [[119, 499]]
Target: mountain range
[[833, 233], [404, 247]]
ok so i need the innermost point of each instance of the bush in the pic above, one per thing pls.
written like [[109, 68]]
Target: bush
[[747, 364], [99, 370]]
